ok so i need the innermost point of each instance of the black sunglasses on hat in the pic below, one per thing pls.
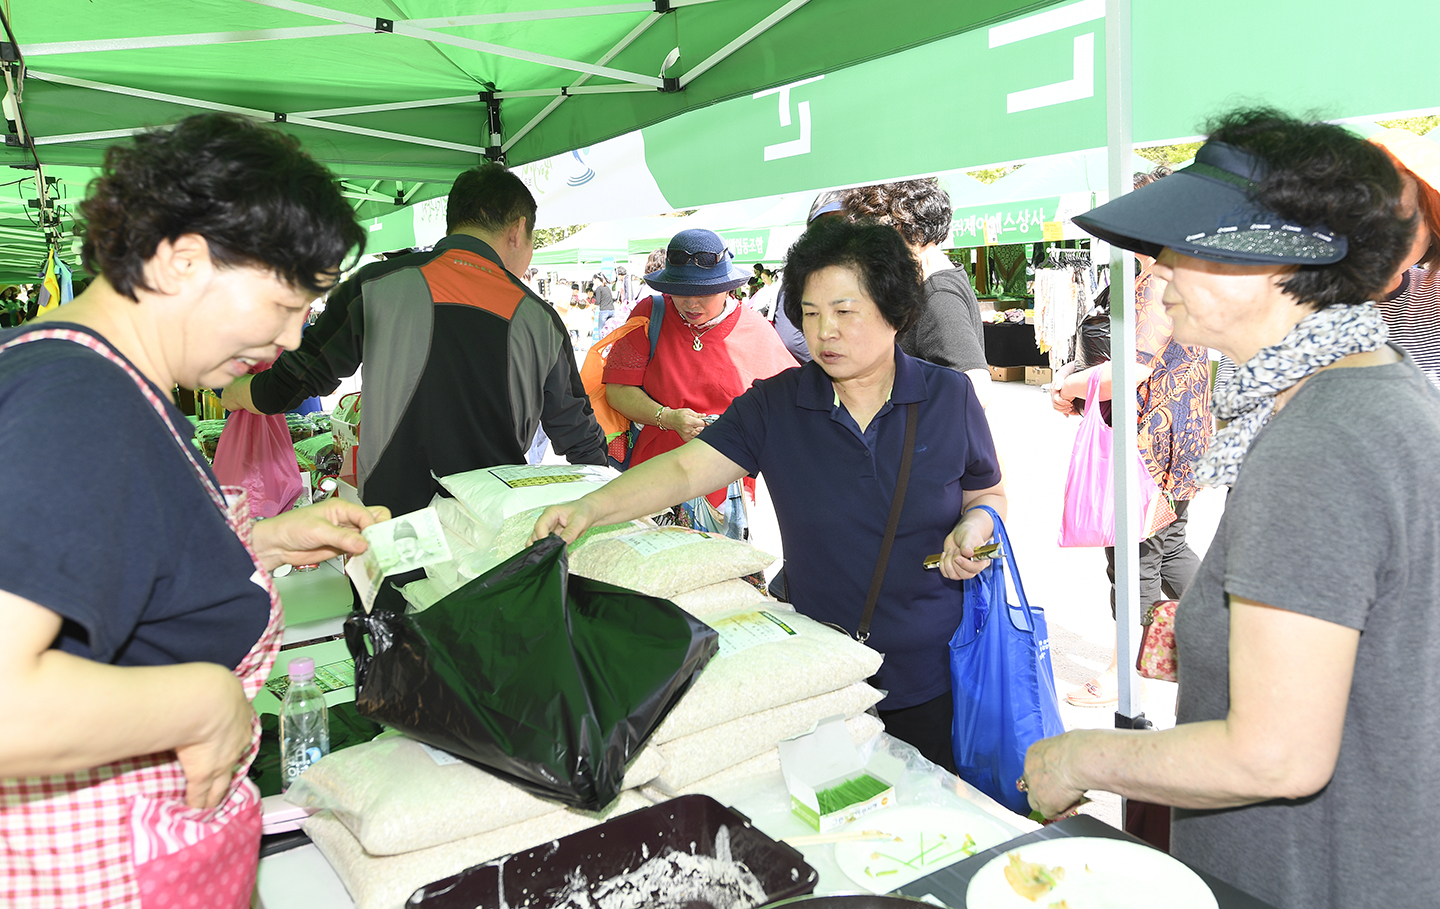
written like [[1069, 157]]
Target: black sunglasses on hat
[[703, 258]]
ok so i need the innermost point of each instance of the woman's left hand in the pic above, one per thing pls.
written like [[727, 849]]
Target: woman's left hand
[[957, 562], [1048, 786], [315, 533]]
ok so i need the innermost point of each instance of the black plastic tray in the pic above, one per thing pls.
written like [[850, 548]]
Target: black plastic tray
[[687, 824]]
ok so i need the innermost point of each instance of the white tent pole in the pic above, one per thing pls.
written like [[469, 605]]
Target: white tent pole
[[1118, 127], [471, 98], [543, 59], [193, 40], [573, 90], [104, 135], [749, 35], [149, 95], [233, 109], [313, 31], [402, 28], [609, 55], [384, 134], [531, 16]]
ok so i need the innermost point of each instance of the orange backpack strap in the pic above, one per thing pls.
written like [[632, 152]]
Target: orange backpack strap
[[592, 375]]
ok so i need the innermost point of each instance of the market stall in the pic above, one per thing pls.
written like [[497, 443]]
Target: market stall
[[363, 138]]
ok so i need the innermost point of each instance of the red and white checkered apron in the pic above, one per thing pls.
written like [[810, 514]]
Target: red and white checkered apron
[[120, 835]]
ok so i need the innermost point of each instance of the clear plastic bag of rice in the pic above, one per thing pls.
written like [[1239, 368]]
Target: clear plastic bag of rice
[[398, 795], [493, 494], [667, 560], [515, 532], [726, 596], [767, 659], [455, 518]]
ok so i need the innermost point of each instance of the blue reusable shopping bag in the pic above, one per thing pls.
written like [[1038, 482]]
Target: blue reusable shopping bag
[[1002, 681]]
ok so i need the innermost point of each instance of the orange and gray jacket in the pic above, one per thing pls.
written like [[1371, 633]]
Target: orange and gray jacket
[[461, 364]]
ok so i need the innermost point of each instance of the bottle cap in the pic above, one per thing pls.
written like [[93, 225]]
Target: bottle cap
[[302, 669]]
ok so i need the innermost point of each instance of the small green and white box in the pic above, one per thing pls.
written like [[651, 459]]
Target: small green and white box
[[828, 782]]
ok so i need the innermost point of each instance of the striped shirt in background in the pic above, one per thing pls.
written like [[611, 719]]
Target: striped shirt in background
[[1413, 314]]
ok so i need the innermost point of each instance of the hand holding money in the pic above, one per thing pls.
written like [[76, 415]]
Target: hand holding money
[[406, 543], [314, 533]]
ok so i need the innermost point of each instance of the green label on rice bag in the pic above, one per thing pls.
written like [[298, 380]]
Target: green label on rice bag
[[653, 542], [747, 629]]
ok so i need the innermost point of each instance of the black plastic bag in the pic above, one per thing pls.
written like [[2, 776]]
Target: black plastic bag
[[550, 681]]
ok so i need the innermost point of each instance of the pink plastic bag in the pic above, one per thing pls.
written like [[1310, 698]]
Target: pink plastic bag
[[255, 452], [1089, 516]]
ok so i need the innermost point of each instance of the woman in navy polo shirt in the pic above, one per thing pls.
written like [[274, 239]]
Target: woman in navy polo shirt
[[829, 437]]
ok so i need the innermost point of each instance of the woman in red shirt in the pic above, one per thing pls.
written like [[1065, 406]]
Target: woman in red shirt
[[710, 349]]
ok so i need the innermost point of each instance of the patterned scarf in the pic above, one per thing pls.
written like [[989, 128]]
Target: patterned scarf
[[1319, 339]]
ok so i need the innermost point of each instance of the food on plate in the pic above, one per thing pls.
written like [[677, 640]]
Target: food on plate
[[1032, 880]]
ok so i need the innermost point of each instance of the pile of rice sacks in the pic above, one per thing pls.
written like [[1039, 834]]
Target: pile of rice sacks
[[394, 819], [395, 815]]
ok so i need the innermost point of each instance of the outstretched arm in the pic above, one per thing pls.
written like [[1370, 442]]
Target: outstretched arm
[[677, 476], [1289, 688]]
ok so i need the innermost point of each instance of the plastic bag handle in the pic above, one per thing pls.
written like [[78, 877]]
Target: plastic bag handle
[[1010, 567]]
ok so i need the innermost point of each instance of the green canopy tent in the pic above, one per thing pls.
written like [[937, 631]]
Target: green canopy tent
[[399, 96], [773, 96]]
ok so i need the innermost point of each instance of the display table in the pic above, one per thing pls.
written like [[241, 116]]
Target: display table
[[1012, 344], [949, 884], [301, 878], [316, 603]]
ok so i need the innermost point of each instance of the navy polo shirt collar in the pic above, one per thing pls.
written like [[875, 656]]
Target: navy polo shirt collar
[[815, 391]]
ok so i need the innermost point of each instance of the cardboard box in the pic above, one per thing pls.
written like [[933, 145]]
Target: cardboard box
[[1007, 373], [1038, 375], [825, 759]]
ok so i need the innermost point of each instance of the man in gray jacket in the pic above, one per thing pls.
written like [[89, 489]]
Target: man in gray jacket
[[462, 362]]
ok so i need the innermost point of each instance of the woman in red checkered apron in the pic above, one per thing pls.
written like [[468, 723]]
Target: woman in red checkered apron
[[135, 594]]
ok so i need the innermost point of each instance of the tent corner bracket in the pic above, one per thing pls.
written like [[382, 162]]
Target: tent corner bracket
[[387, 26]]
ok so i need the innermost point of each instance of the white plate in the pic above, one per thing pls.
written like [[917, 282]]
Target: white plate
[[929, 839], [1100, 873]]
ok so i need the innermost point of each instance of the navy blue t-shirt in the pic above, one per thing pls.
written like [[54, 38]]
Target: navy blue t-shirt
[[832, 488], [104, 522]]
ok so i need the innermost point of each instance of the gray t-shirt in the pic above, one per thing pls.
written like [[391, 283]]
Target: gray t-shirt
[[948, 331], [1335, 514]]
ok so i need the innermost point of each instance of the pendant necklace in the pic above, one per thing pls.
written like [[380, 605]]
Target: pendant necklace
[[697, 345]]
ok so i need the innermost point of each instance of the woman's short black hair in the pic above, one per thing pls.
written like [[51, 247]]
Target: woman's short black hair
[[919, 209], [248, 189], [1321, 173], [876, 252], [488, 197]]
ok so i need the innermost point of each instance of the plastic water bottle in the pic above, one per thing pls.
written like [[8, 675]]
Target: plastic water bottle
[[304, 725]]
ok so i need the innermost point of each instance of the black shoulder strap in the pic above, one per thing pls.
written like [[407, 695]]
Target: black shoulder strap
[[912, 419]]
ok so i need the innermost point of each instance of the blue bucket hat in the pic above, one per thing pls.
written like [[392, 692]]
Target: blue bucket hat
[[1208, 211], [692, 279]]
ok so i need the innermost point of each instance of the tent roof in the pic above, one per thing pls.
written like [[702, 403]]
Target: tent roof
[[398, 96]]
